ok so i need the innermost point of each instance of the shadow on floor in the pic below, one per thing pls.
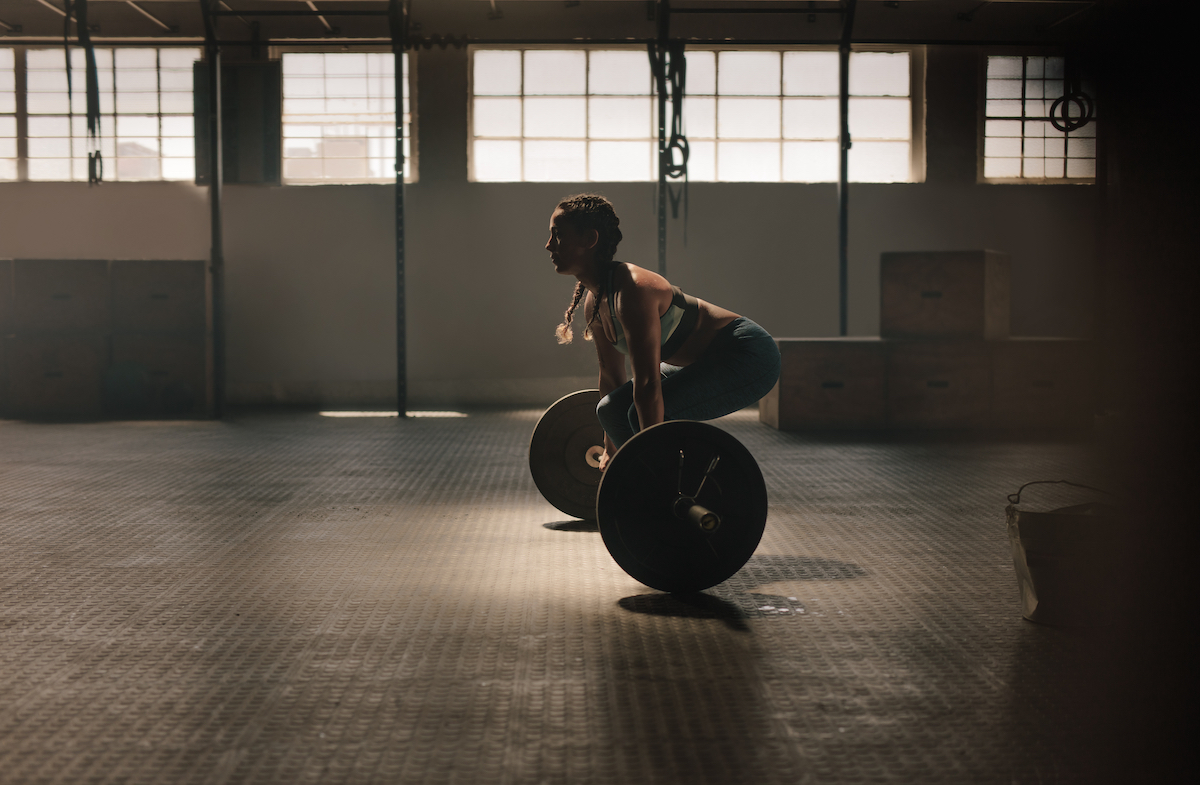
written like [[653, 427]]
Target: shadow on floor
[[572, 526], [771, 568], [734, 606], [734, 609]]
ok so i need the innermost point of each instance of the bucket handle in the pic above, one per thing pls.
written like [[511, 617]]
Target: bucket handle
[[1015, 498]]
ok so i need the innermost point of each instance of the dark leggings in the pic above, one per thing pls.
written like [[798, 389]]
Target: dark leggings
[[740, 366]]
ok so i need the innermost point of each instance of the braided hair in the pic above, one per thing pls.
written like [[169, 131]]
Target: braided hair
[[585, 212]]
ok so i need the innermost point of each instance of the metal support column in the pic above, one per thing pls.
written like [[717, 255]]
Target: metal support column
[[664, 29], [398, 22], [212, 55], [843, 168]]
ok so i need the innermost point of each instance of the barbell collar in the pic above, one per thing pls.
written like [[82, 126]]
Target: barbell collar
[[686, 509]]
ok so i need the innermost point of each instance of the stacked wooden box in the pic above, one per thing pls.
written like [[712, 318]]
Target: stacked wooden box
[[85, 338], [944, 359]]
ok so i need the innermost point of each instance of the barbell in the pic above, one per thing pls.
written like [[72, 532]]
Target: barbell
[[681, 506]]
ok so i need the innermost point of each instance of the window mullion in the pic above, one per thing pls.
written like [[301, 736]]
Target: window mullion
[[20, 85]]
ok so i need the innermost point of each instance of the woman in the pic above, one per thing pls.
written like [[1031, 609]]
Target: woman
[[691, 360]]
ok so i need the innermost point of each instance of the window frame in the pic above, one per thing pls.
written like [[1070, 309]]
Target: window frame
[[916, 97], [412, 159], [473, 48], [20, 84], [982, 118]]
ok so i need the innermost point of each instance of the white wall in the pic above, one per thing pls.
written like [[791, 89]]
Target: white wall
[[311, 270]]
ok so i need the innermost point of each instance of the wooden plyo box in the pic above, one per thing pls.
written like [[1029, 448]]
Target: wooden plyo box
[[827, 383], [57, 295], [938, 384], [944, 294], [1042, 383], [55, 375], [6, 296], [160, 296], [175, 369]]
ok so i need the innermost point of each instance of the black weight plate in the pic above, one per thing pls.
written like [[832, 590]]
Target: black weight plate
[[635, 506], [563, 456]]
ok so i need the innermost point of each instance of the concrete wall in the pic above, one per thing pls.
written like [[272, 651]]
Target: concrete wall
[[311, 274]]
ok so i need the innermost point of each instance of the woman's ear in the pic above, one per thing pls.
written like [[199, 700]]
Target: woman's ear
[[591, 238]]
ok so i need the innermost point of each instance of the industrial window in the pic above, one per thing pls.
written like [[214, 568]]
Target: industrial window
[[1020, 144], [146, 128], [750, 116], [339, 118], [8, 115]]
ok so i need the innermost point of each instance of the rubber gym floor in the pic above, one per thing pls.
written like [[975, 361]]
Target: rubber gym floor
[[287, 598]]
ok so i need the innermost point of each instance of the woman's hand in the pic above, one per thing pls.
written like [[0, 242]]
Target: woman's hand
[[604, 459]]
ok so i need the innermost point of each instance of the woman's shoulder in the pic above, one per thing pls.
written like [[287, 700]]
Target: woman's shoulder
[[627, 273]]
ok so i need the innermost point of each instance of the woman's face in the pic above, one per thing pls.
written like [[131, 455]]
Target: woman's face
[[570, 250]]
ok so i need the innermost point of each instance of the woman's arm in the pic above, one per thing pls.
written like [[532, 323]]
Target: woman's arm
[[612, 369], [637, 308]]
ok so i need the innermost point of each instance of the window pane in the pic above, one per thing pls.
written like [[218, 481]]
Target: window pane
[[879, 118], [178, 169], [49, 168], [701, 73], [176, 80], [619, 73], [8, 126], [748, 161], [141, 81], [879, 73], [810, 118], [748, 73], [1081, 148], [137, 126], [1004, 88], [50, 148], [555, 72], [179, 147], [1081, 167], [496, 116], [8, 169], [339, 114], [810, 162], [497, 72], [879, 162], [178, 58], [555, 117], [619, 118], [547, 161], [699, 116], [1003, 147], [748, 118], [1003, 128], [1004, 67], [620, 161], [497, 161], [1003, 108], [136, 168], [702, 161], [810, 73], [1001, 167]]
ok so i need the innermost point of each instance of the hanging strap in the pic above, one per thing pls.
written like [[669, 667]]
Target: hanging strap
[[669, 66], [78, 9]]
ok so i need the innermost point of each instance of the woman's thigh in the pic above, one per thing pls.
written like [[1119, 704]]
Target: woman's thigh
[[739, 368]]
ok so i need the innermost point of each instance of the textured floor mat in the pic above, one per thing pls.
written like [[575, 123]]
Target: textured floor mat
[[288, 598]]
